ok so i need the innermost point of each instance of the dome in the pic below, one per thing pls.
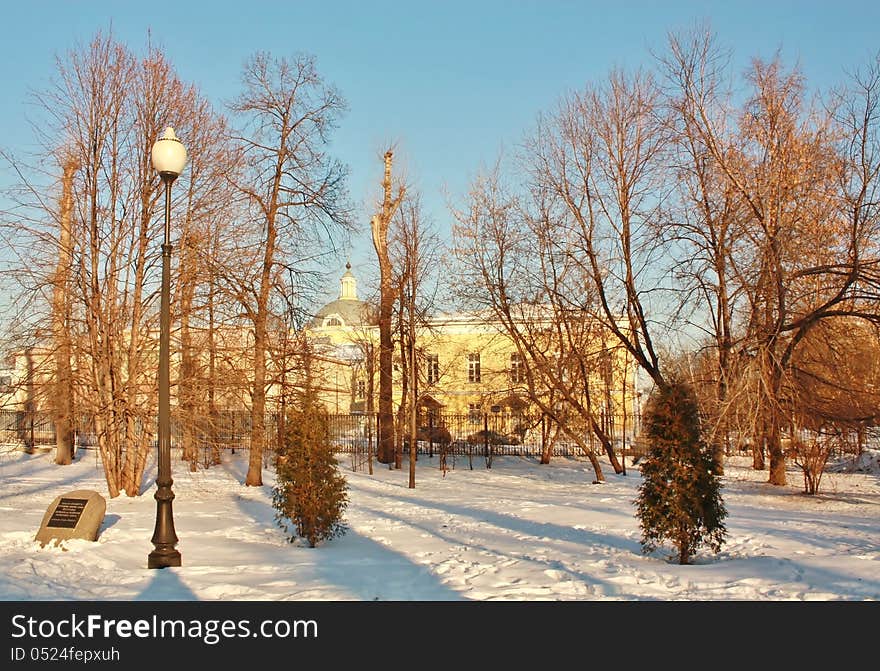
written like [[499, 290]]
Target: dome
[[343, 312], [346, 310]]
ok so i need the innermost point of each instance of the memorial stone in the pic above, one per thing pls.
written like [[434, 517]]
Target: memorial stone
[[76, 514]]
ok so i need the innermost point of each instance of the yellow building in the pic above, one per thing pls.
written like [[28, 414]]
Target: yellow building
[[468, 370], [467, 366]]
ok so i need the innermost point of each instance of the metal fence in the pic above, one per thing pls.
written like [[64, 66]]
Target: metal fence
[[27, 428], [452, 438], [227, 429], [468, 434], [481, 434]]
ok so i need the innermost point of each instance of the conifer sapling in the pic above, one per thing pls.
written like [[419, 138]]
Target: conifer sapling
[[679, 499], [310, 494]]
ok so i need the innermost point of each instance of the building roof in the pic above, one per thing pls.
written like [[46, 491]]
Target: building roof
[[346, 310], [351, 312]]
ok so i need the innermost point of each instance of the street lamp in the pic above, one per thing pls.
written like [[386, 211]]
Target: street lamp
[[169, 157]]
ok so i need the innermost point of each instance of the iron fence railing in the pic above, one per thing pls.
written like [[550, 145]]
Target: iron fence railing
[[27, 428], [226, 429], [471, 434], [518, 435], [479, 434]]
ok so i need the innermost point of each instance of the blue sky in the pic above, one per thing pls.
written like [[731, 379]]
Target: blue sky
[[450, 83]]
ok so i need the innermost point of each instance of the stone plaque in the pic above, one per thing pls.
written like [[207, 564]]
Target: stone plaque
[[77, 514], [67, 513]]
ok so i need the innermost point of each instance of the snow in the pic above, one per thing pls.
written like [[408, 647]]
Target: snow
[[867, 462], [517, 531]]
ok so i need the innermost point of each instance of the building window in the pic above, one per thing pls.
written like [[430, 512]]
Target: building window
[[433, 368], [333, 321], [431, 417], [517, 370], [474, 413], [361, 388], [474, 367]]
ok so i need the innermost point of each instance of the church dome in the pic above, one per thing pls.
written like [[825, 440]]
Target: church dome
[[346, 310]]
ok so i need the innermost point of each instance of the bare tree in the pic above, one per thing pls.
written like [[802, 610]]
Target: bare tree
[[601, 157], [835, 392], [294, 189], [103, 113], [806, 178], [836, 377], [379, 225], [363, 337], [62, 394], [210, 211], [414, 250], [705, 232], [590, 213], [89, 104], [508, 266]]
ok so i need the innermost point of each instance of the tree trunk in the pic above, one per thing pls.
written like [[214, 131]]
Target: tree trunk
[[413, 431], [63, 388], [254, 476], [404, 394], [684, 555], [606, 445], [379, 225], [772, 435], [549, 436], [187, 378], [371, 379], [777, 456], [386, 416], [213, 414], [134, 460]]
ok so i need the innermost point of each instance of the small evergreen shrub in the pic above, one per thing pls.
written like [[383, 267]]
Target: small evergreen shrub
[[310, 495], [679, 499]]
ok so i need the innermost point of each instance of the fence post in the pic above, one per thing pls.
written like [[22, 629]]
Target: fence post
[[543, 435], [486, 454], [370, 446], [430, 435]]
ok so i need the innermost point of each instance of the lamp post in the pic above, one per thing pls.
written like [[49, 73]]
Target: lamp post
[[409, 298], [169, 157]]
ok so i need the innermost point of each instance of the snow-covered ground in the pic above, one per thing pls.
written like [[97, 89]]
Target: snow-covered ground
[[517, 531]]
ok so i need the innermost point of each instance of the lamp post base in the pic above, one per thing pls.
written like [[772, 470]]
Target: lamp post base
[[160, 559], [164, 538]]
